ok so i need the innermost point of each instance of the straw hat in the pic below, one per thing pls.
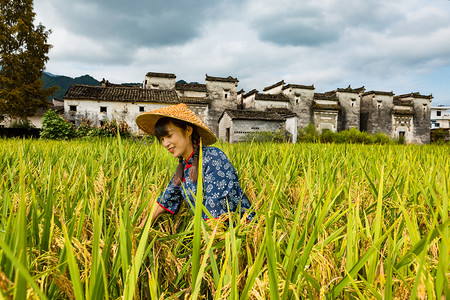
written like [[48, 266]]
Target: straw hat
[[146, 121]]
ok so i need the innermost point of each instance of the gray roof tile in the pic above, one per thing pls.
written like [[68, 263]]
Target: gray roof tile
[[120, 94]]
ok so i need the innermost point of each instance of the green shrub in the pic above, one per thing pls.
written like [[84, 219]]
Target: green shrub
[[108, 129], [55, 127], [352, 136], [278, 136], [439, 136], [308, 134]]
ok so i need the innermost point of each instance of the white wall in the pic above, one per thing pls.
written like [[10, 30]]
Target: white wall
[[262, 105], [88, 109], [291, 126]]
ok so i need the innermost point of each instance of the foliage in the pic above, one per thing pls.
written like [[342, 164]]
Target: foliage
[[278, 136], [440, 136], [23, 54], [308, 134], [352, 136], [334, 222], [108, 129], [22, 123], [55, 127]]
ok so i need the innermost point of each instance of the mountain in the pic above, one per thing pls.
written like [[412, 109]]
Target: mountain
[[64, 82]]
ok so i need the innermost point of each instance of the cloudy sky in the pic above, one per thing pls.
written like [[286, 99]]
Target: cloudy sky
[[401, 46]]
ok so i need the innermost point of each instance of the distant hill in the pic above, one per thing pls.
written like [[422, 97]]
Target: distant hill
[[64, 82]]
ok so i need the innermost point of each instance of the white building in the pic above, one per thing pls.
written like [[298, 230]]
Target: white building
[[404, 116], [440, 117], [235, 125], [36, 119]]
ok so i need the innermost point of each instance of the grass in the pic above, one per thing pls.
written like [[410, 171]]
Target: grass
[[334, 221]]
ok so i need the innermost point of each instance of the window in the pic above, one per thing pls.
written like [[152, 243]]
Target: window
[[103, 109], [72, 108], [438, 113], [141, 108], [296, 100], [155, 86], [226, 95]]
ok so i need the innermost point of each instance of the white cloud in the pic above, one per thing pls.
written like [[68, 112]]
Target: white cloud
[[380, 44]]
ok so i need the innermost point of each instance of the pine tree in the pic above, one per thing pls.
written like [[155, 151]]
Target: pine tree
[[23, 54]]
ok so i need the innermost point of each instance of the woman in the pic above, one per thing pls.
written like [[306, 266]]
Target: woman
[[179, 130]]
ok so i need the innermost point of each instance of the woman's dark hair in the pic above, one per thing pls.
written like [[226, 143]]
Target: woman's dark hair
[[161, 131]]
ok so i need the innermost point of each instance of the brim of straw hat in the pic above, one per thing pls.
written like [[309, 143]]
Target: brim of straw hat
[[146, 121]]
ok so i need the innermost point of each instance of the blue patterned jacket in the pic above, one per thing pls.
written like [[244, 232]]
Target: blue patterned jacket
[[220, 184]]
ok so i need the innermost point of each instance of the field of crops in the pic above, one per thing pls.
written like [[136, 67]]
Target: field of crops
[[334, 221]]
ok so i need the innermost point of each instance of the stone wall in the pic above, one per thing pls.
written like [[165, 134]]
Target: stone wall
[[422, 120], [301, 104], [200, 110], [161, 83], [326, 120], [221, 96], [378, 109], [225, 128], [350, 108]]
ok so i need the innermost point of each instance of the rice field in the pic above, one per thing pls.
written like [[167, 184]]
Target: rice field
[[333, 222]]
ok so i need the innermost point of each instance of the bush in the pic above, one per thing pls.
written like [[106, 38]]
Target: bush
[[353, 136], [108, 129], [266, 136], [439, 135], [308, 134], [55, 127]]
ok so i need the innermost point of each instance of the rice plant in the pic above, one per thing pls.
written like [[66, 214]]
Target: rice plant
[[332, 222]]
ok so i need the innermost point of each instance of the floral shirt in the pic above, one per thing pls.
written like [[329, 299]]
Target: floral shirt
[[220, 184]]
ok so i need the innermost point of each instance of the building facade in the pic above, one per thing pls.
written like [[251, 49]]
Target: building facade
[[230, 113], [440, 117]]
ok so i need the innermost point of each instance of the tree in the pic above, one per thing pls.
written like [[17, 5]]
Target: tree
[[23, 54]]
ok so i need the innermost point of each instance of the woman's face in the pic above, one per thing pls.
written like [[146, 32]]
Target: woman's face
[[178, 141]]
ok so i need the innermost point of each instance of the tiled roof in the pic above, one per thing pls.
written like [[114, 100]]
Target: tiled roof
[[105, 82], [284, 112], [299, 86], [326, 106], [274, 85], [221, 79], [350, 90], [414, 95], [194, 100], [162, 75], [405, 112], [379, 93], [270, 97], [325, 96], [250, 93], [253, 115], [120, 94], [195, 87], [57, 108], [403, 102]]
